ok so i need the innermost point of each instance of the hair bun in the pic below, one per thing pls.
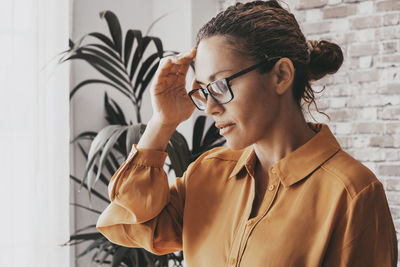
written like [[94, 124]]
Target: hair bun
[[325, 58]]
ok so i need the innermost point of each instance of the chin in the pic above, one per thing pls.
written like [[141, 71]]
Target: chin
[[236, 144]]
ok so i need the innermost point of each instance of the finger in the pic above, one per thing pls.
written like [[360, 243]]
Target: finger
[[185, 57], [165, 66]]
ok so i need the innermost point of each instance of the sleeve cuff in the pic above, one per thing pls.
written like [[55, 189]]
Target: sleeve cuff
[[148, 157]]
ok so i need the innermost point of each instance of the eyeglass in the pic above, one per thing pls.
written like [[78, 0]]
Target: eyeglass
[[220, 90]]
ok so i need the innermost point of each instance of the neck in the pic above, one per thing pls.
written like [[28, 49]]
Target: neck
[[286, 135]]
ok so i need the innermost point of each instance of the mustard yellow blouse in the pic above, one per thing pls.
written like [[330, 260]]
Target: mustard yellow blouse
[[321, 208]]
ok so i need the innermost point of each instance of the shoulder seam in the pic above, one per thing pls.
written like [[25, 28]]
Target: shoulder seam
[[337, 176]]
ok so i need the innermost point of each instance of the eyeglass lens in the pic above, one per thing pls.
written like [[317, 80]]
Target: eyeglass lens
[[218, 89]]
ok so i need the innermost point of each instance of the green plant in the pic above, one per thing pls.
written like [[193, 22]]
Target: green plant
[[122, 63]]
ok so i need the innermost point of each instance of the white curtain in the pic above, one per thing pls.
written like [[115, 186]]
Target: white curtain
[[34, 134]]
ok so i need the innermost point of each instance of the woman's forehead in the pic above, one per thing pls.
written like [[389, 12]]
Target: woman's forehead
[[215, 56]]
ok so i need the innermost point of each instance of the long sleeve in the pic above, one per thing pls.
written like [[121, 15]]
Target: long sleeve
[[144, 210], [366, 236]]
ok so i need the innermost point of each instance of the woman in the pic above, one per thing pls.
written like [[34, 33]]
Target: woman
[[284, 193]]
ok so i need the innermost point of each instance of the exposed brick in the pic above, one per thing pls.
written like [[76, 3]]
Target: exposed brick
[[387, 5], [396, 143], [393, 100], [390, 89], [368, 49], [365, 62], [388, 33], [389, 170], [353, 1], [365, 8], [338, 102], [316, 27], [368, 154], [391, 113], [344, 141], [389, 47], [340, 25], [306, 4], [393, 184], [344, 128], [392, 154], [341, 115], [391, 19], [366, 114], [364, 76], [366, 22], [381, 141], [339, 11], [334, 2], [360, 141], [370, 127], [392, 127], [389, 74], [313, 15], [395, 211], [388, 61], [361, 36], [393, 197]]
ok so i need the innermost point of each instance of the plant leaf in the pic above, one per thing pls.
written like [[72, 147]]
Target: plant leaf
[[97, 61], [106, 255], [118, 256], [146, 81], [211, 136], [94, 192], [93, 245], [102, 177], [115, 29], [87, 134], [113, 115], [140, 49], [96, 146], [107, 50], [85, 228], [91, 81], [106, 150], [143, 69], [130, 36], [103, 71], [102, 38], [198, 130], [106, 58], [86, 208], [133, 135]]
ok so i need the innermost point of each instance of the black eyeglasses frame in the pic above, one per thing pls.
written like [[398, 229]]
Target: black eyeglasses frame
[[226, 80]]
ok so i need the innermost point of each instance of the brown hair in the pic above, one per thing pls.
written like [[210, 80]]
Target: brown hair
[[262, 29]]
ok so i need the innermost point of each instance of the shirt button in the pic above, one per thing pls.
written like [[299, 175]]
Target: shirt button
[[271, 187], [273, 171], [233, 261], [250, 222]]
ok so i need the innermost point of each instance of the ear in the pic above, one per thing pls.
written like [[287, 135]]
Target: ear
[[284, 75]]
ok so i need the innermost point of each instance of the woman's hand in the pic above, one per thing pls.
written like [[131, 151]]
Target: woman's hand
[[170, 101]]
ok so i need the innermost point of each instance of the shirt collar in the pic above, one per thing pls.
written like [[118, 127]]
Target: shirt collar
[[300, 162]]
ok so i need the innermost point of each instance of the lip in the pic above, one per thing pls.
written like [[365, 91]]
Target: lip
[[221, 125], [224, 127]]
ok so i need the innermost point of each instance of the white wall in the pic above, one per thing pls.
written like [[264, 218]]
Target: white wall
[[176, 30]]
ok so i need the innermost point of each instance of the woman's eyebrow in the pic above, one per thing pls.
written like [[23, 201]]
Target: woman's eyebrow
[[212, 77]]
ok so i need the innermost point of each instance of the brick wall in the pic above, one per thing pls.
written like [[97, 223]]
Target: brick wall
[[363, 97]]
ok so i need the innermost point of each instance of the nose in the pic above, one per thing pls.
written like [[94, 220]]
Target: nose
[[212, 107]]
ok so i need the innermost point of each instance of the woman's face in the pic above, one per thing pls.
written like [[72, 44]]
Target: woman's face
[[254, 110]]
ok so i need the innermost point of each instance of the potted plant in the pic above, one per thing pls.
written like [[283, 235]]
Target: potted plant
[[120, 60]]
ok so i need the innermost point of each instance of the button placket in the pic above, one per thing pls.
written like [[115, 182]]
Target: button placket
[[253, 222]]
